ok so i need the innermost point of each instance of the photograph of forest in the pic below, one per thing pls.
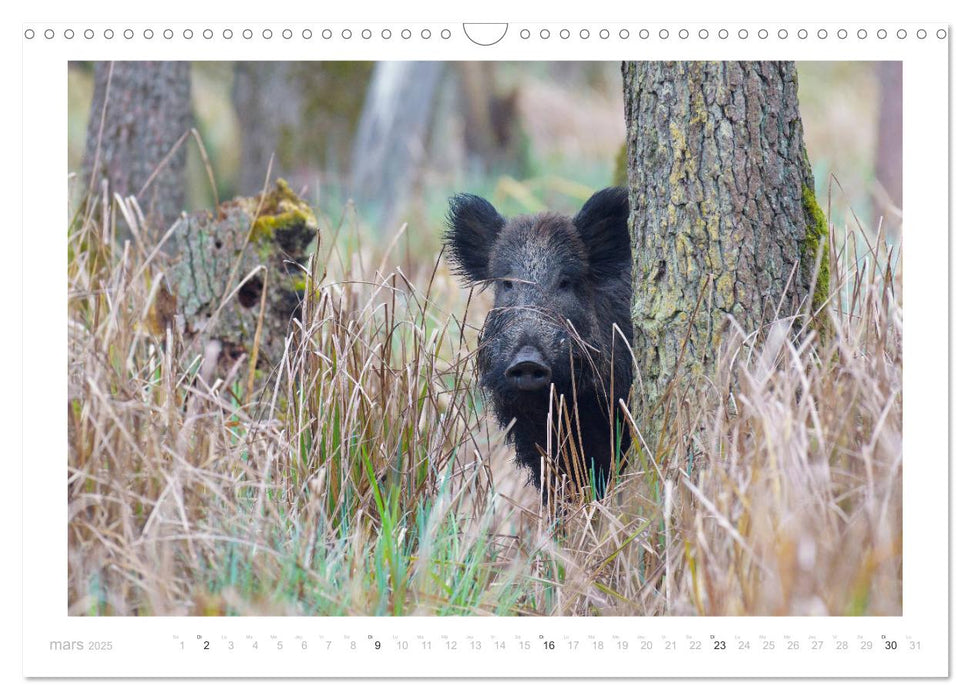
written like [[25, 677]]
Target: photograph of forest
[[485, 338]]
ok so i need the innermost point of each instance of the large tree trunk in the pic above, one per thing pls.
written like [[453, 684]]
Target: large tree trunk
[[724, 221], [139, 112]]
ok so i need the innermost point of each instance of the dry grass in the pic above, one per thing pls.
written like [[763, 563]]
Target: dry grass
[[363, 476]]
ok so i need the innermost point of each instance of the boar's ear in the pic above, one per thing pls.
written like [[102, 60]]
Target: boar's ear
[[470, 232], [602, 224]]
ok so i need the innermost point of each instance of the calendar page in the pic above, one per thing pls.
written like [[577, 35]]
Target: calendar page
[[555, 349]]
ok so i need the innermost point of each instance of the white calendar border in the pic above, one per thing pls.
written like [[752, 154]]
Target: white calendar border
[[147, 646]]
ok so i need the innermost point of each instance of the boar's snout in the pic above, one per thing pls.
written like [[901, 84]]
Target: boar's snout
[[528, 371]]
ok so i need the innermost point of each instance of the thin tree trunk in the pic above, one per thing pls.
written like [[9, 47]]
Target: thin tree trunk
[[890, 133], [301, 114], [391, 138], [148, 110], [724, 221], [492, 130], [477, 80], [268, 105]]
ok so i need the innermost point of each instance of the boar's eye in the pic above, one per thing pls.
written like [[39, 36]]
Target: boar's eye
[[566, 284], [507, 284]]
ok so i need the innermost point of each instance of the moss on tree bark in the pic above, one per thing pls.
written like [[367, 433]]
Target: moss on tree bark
[[241, 270], [724, 222]]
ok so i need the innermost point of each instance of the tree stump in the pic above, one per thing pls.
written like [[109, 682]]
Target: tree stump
[[243, 269]]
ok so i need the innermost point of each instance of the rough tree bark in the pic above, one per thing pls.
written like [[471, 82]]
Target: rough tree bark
[[724, 220], [239, 277], [148, 110]]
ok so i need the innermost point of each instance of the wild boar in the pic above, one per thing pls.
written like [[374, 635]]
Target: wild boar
[[553, 354]]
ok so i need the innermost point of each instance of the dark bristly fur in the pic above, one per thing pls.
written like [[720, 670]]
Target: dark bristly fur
[[562, 286]]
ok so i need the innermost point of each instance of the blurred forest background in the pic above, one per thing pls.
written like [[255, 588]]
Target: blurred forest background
[[399, 138]]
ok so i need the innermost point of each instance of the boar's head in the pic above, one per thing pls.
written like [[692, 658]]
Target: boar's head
[[558, 329]]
